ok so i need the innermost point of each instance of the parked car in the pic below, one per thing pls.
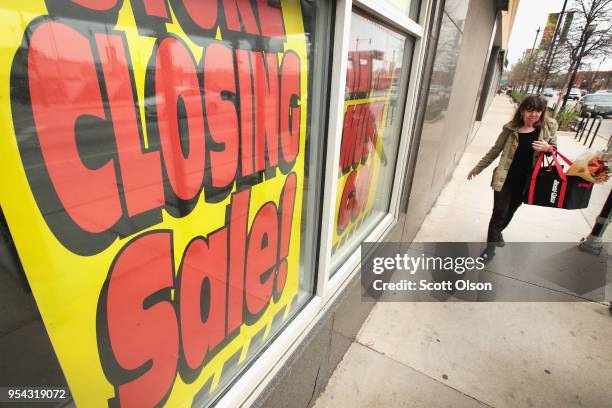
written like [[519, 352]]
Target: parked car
[[549, 92], [604, 92], [597, 104], [575, 94]]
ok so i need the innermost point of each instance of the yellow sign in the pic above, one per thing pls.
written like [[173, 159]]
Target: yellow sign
[[361, 154], [153, 154]]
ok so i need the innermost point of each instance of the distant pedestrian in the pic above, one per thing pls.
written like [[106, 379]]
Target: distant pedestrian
[[520, 142]]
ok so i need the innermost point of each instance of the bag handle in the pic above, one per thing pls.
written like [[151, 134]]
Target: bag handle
[[536, 170], [558, 165], [552, 160], [565, 159]]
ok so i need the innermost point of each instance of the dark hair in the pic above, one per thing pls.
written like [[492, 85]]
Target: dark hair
[[532, 102]]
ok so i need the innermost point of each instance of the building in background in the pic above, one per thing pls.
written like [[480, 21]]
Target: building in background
[[187, 195], [593, 80]]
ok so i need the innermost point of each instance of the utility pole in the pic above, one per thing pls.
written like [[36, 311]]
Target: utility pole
[[595, 75], [550, 54], [593, 244], [531, 57]]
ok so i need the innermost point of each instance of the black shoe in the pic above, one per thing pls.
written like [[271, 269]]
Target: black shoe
[[487, 255], [500, 242]]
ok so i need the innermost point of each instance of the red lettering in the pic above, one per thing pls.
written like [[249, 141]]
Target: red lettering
[[346, 203], [377, 109], [142, 325], [202, 13], [290, 111], [142, 342], [349, 131], [239, 16], [197, 18], [243, 61], [261, 259], [362, 190], [220, 90], [286, 206], [238, 219], [369, 136], [98, 5], [89, 196], [156, 8], [361, 133], [237, 116], [140, 172], [265, 76], [271, 18], [177, 85], [104, 11], [202, 294]]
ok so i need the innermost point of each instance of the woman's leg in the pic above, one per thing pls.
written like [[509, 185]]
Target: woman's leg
[[501, 206], [516, 199]]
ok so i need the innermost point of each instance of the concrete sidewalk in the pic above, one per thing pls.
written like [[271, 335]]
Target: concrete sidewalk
[[484, 354]]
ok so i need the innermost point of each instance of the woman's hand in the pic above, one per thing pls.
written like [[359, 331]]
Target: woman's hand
[[471, 175], [541, 146]]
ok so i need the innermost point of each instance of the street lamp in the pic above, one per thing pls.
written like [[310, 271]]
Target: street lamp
[[529, 60], [595, 74]]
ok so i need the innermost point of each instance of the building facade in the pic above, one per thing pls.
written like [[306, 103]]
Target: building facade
[[188, 183], [593, 80]]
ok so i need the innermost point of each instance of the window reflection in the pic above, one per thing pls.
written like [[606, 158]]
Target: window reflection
[[410, 8], [373, 104]]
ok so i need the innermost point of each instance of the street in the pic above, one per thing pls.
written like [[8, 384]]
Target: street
[[606, 128]]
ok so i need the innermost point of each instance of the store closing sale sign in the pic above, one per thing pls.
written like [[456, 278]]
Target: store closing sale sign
[[154, 160], [361, 152]]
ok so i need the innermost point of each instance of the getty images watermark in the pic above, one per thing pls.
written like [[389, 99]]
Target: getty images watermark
[[455, 271], [411, 264]]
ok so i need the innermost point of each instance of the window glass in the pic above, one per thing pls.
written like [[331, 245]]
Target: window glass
[[160, 221], [411, 8], [378, 64]]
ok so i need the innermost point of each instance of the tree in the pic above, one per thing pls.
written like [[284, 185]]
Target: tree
[[534, 59], [517, 74], [590, 36], [524, 72]]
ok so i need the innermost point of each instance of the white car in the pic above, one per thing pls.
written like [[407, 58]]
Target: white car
[[549, 92], [574, 94]]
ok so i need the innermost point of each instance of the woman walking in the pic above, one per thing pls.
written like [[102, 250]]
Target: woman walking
[[528, 134]]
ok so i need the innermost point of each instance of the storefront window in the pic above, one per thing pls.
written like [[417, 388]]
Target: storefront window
[[378, 64], [163, 176], [411, 8]]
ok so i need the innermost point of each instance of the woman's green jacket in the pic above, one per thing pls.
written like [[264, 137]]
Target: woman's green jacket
[[506, 144]]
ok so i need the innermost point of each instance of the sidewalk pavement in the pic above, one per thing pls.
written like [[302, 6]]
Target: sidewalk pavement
[[484, 354]]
